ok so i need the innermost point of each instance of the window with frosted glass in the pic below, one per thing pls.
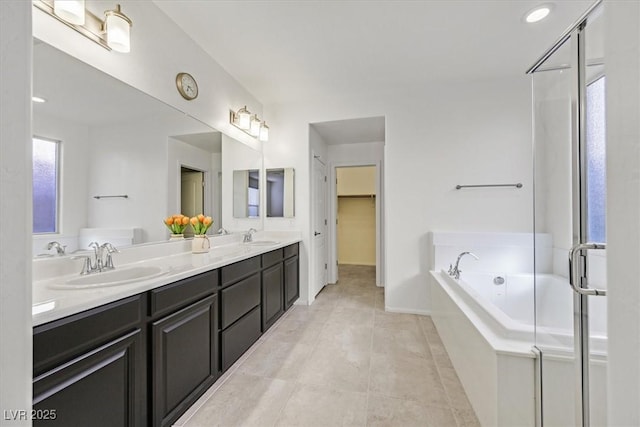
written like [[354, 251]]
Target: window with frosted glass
[[45, 186], [596, 161]]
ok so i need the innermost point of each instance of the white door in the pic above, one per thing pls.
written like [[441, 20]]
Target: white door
[[319, 226]]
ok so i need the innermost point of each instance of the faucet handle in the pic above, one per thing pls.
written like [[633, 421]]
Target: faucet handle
[[86, 265], [110, 248]]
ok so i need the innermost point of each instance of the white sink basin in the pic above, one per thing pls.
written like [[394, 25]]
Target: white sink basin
[[262, 243], [112, 278]]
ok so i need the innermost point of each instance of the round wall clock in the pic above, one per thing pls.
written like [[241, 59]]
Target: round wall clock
[[187, 86]]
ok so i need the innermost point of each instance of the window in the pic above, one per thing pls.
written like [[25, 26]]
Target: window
[[45, 185], [596, 162]]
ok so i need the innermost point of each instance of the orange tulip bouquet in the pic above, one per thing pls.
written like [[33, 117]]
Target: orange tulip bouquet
[[201, 224], [177, 223]]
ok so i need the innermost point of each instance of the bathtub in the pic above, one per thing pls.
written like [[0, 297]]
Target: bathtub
[[488, 330]]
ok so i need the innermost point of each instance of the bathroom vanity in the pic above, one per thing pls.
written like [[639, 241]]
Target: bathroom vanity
[[146, 358]]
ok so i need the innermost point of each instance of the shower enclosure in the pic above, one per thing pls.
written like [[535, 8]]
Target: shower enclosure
[[568, 84]]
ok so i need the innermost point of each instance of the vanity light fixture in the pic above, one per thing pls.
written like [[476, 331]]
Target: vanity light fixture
[[70, 10], [117, 26], [38, 100], [264, 132], [249, 123], [112, 32], [254, 130]]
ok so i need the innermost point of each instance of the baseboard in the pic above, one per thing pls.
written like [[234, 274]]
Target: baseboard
[[407, 311]]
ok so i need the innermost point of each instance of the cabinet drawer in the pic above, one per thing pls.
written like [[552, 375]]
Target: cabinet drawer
[[237, 271], [239, 337], [238, 299], [272, 257], [291, 250], [64, 339], [179, 294]]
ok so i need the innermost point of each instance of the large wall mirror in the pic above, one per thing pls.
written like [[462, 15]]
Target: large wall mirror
[[280, 192], [112, 160]]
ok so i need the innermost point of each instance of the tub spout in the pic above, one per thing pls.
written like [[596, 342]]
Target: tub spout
[[455, 271]]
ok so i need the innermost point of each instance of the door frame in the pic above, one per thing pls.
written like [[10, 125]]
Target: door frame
[[333, 216]]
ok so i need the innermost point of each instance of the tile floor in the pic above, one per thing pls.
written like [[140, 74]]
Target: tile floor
[[342, 361]]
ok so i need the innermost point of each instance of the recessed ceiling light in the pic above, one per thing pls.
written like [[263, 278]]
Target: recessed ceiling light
[[538, 13], [38, 99]]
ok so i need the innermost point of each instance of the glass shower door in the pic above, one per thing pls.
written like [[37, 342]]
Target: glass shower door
[[569, 207]]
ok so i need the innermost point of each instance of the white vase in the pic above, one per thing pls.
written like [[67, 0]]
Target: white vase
[[176, 237], [200, 244]]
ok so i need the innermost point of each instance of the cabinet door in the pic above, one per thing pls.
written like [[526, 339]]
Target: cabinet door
[[184, 358], [272, 295], [104, 387], [291, 282]]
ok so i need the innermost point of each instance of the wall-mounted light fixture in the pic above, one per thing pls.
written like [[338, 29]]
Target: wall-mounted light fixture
[[112, 32], [249, 123]]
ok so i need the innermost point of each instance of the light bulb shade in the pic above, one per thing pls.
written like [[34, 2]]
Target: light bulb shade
[[243, 118], [118, 29], [254, 130], [264, 132], [71, 11]]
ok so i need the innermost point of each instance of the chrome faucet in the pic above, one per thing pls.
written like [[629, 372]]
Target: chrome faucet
[[455, 271], [59, 248], [222, 231], [248, 236], [108, 264], [96, 265]]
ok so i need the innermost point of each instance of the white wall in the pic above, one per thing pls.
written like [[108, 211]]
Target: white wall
[[74, 174], [239, 157], [622, 44], [15, 209], [474, 132]]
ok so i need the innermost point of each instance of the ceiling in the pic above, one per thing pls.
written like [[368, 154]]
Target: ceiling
[[286, 50], [352, 131]]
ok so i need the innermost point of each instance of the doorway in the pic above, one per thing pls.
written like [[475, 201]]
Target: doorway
[[356, 216], [191, 193]]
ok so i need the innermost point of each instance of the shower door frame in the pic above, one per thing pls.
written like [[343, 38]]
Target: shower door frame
[[578, 254]]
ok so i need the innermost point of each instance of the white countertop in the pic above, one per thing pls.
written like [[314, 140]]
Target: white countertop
[[53, 299]]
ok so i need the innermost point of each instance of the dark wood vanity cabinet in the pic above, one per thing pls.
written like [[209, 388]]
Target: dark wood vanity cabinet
[[183, 344], [239, 309], [145, 359], [184, 355], [272, 288], [90, 368], [291, 275]]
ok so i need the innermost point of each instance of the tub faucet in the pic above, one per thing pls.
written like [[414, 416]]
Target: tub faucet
[[455, 271], [248, 236], [222, 231], [59, 248]]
